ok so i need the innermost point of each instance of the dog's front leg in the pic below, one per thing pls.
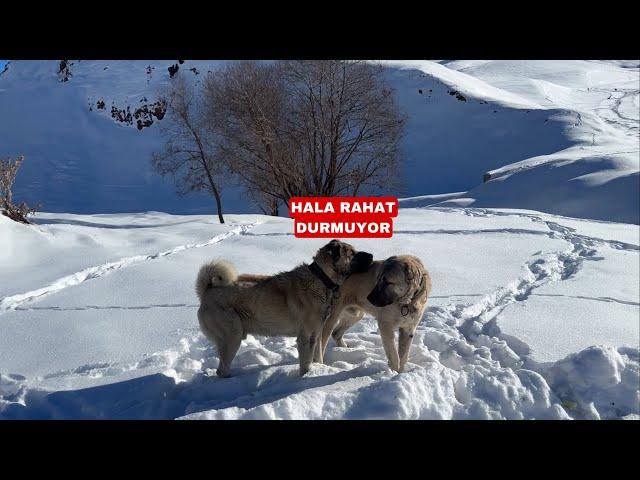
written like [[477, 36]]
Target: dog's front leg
[[326, 331], [405, 337], [318, 353], [306, 343], [388, 342]]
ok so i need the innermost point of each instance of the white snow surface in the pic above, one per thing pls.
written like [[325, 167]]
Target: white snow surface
[[532, 316], [554, 136]]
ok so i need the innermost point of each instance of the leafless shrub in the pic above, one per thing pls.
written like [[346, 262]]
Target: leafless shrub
[[8, 170], [286, 128]]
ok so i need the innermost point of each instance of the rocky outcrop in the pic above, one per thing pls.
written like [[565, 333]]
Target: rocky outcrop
[[143, 116]]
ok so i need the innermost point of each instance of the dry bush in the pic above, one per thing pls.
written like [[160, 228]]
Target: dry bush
[[8, 170]]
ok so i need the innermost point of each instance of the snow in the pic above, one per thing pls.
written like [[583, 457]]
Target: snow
[[80, 160], [522, 186], [531, 316], [565, 134], [612, 314], [554, 136]]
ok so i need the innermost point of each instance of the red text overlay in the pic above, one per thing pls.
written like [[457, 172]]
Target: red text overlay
[[343, 217]]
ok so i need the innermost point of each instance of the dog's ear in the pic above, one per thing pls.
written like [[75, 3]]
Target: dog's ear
[[410, 272], [390, 261], [416, 279], [422, 287]]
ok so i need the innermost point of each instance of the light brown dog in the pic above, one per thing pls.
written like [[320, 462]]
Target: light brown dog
[[395, 292], [292, 304]]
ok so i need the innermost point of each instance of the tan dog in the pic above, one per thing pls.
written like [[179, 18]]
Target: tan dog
[[395, 292], [292, 304]]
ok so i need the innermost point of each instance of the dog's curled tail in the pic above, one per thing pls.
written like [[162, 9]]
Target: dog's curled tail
[[215, 274]]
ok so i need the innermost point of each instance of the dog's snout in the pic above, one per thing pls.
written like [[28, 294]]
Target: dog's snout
[[375, 299], [372, 297], [361, 262]]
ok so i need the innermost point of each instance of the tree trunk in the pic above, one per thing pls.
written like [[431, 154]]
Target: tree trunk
[[216, 194], [211, 182], [218, 202]]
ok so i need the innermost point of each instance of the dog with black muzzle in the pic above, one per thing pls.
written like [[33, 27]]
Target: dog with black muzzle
[[293, 304], [395, 292]]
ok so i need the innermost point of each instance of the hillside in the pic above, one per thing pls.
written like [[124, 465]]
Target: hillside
[[559, 137], [584, 119]]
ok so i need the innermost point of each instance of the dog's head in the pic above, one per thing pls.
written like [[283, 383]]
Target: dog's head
[[400, 281], [342, 259]]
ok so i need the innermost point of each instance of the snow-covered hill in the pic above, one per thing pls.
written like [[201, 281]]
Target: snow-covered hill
[[583, 116], [79, 158], [554, 136], [531, 316]]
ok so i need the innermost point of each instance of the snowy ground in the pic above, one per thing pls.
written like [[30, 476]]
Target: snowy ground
[[531, 316]]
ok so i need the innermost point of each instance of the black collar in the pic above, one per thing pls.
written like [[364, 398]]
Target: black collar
[[318, 272]]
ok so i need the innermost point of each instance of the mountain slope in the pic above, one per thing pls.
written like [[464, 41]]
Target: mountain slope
[[79, 158], [591, 171], [554, 136]]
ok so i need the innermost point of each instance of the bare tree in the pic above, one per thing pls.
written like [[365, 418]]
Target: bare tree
[[188, 154], [345, 124], [245, 108], [8, 171], [305, 128], [267, 204]]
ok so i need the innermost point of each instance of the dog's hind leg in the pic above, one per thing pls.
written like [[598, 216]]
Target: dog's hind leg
[[228, 350], [318, 352], [228, 345], [349, 317], [337, 335]]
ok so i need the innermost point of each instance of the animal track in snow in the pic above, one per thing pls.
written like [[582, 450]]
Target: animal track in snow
[[14, 301]]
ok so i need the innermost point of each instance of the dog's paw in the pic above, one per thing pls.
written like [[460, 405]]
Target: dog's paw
[[222, 373], [395, 368]]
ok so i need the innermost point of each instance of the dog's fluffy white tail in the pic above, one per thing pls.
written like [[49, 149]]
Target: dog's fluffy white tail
[[215, 274]]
